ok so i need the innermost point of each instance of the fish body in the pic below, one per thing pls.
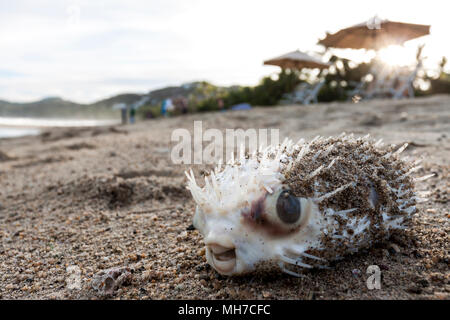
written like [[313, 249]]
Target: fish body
[[304, 204]]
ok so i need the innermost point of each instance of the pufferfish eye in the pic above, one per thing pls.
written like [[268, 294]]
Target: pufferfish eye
[[284, 210], [288, 207]]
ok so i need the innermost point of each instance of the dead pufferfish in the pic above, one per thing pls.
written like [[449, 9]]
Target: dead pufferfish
[[301, 205]]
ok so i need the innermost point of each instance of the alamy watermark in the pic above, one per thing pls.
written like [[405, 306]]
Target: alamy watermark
[[212, 146], [374, 279]]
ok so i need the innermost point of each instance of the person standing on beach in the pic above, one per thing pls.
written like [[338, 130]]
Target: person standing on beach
[[184, 105], [220, 104], [169, 105], [132, 115], [164, 108], [123, 112]]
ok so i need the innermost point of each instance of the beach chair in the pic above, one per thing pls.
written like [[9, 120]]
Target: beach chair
[[380, 85], [395, 84], [405, 84], [298, 94], [305, 93], [313, 93]]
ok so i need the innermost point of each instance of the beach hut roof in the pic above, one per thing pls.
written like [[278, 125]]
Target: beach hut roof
[[297, 60], [374, 34]]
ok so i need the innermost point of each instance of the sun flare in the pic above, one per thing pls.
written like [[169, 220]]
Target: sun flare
[[397, 55]]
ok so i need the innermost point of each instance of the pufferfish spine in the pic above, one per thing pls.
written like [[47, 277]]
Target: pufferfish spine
[[334, 196]]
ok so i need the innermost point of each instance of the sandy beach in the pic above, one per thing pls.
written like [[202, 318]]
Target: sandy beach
[[93, 198]]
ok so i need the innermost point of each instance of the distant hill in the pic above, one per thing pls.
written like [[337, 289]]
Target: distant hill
[[55, 107], [42, 108], [184, 90], [58, 108], [127, 98]]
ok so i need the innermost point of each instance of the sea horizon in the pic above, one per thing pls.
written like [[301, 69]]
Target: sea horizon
[[13, 127]]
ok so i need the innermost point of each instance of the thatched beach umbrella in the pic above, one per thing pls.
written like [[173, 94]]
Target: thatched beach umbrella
[[297, 60], [375, 34]]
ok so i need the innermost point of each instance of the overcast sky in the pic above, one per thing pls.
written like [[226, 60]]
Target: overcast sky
[[89, 50]]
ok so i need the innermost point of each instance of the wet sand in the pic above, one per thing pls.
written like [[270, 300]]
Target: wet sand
[[96, 198]]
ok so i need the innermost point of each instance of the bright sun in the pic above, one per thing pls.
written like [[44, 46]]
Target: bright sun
[[397, 55]]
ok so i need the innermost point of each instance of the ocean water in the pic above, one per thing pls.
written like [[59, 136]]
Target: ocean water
[[17, 132], [19, 127]]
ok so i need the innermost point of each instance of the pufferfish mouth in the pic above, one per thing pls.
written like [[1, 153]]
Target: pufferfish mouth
[[223, 258]]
